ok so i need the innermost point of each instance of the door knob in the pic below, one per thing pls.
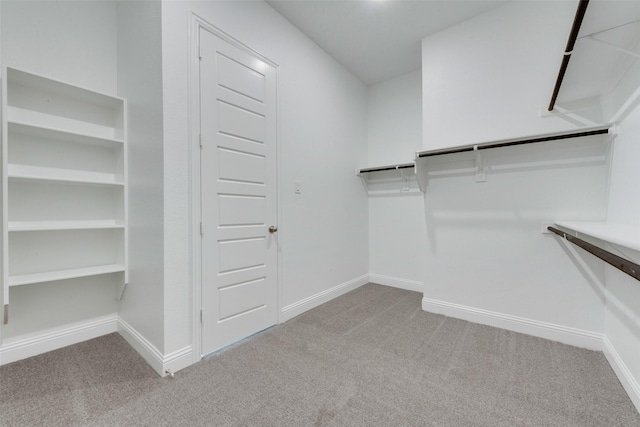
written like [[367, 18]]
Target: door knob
[[273, 229]]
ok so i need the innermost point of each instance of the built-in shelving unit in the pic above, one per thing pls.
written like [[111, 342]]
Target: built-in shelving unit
[[389, 179], [64, 182]]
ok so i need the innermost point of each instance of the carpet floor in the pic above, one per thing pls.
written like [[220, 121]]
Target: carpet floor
[[371, 357]]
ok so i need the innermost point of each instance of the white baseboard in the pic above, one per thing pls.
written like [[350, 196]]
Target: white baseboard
[[409, 285], [160, 363], [21, 347], [297, 308], [623, 373], [550, 331]]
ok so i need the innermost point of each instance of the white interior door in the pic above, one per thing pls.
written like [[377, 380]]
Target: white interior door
[[238, 193]]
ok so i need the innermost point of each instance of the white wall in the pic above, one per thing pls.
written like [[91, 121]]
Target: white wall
[[486, 258], [140, 82], [487, 78], [394, 120], [397, 231], [70, 41], [74, 42], [321, 141], [622, 319], [486, 252]]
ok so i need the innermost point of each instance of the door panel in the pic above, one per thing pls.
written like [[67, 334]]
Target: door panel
[[242, 253], [235, 121], [239, 78], [241, 210], [238, 193], [245, 167], [242, 297]]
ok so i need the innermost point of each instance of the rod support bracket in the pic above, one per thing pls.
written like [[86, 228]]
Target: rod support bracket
[[481, 174], [406, 185]]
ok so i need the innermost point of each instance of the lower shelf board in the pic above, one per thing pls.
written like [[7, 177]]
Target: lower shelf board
[[14, 226], [50, 276], [38, 173]]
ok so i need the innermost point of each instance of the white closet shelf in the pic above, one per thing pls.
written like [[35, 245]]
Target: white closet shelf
[[38, 173], [388, 179], [37, 130], [386, 168], [26, 279], [52, 121], [14, 226], [627, 235], [51, 86]]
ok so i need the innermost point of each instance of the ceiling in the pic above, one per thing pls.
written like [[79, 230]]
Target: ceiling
[[377, 40]]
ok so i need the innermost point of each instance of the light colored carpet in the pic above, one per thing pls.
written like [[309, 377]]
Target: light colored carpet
[[369, 358]]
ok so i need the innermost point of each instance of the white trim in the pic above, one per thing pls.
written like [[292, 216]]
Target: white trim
[[194, 184], [299, 307], [550, 331], [203, 23], [623, 373], [146, 349], [30, 345], [160, 363], [21, 347], [179, 359], [395, 282]]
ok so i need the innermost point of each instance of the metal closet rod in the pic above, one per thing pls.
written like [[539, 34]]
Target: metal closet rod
[[622, 264], [573, 35], [388, 168], [590, 132]]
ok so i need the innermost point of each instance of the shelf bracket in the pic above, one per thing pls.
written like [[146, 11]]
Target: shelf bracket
[[406, 186], [421, 173], [123, 286], [481, 175], [623, 254], [363, 179]]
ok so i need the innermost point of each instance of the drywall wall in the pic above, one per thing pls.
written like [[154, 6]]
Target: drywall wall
[[394, 120], [323, 233], [140, 82], [622, 319], [397, 231], [486, 258], [488, 78], [70, 41], [74, 42]]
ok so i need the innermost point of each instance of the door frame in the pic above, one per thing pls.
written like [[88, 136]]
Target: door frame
[[196, 24]]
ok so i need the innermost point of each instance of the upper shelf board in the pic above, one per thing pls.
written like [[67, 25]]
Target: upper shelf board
[[627, 235], [582, 132]]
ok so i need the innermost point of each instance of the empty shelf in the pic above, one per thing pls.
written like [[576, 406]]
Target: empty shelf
[[38, 173], [62, 225], [32, 129], [627, 235], [26, 279]]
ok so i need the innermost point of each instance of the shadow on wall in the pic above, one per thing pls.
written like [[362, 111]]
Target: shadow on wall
[[524, 187], [594, 271]]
